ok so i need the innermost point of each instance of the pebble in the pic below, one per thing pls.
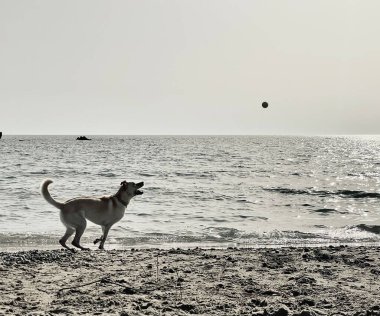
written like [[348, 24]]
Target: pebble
[[109, 292], [129, 291], [283, 311], [186, 307], [308, 301]]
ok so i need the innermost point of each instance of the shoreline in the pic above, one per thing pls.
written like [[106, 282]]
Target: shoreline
[[234, 281], [16, 246]]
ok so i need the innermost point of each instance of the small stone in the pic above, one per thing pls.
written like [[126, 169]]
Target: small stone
[[308, 301], [129, 291], [179, 280], [296, 293], [109, 292], [186, 307], [249, 289], [283, 311], [305, 313]]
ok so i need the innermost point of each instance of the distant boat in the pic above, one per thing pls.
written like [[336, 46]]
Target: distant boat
[[1, 134], [83, 138]]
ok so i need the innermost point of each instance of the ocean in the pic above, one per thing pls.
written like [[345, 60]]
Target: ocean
[[206, 191]]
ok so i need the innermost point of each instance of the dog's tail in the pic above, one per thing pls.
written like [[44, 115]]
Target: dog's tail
[[45, 193]]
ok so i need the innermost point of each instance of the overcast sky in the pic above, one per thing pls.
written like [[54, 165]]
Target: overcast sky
[[190, 67]]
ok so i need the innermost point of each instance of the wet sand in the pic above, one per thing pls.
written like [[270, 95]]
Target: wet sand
[[285, 281]]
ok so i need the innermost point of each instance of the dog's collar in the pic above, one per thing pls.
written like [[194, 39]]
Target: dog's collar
[[121, 201]]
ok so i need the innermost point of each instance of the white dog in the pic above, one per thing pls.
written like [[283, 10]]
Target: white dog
[[104, 211]]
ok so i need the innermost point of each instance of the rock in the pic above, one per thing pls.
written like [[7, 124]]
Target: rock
[[129, 291], [186, 307], [308, 301], [270, 292], [314, 312], [259, 303], [305, 313], [83, 138], [109, 292], [296, 293], [249, 289], [146, 305], [283, 311], [306, 280], [323, 255], [64, 311]]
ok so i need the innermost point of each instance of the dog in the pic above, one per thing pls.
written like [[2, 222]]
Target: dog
[[104, 211]]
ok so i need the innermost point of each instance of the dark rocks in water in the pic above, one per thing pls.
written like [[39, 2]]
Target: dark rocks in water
[[83, 138], [325, 211], [375, 229]]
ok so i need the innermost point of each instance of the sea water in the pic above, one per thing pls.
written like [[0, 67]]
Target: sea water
[[199, 190]]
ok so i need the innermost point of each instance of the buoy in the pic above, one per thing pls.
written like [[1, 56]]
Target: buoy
[[265, 105]]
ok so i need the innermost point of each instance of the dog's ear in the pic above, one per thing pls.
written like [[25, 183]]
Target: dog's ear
[[124, 183]]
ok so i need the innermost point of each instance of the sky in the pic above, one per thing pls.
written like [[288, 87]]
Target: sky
[[189, 67]]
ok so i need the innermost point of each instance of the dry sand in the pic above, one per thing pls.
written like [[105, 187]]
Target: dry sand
[[284, 281]]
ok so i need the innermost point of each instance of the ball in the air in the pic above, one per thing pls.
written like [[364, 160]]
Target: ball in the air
[[264, 105]]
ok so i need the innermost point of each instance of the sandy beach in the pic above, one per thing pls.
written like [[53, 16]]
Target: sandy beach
[[337, 280]]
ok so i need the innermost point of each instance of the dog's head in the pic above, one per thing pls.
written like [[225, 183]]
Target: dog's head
[[131, 188]]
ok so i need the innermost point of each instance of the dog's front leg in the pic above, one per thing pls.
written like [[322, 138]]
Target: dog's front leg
[[101, 237], [98, 240], [106, 229]]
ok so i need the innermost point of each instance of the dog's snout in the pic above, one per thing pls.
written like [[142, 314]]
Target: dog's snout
[[140, 184]]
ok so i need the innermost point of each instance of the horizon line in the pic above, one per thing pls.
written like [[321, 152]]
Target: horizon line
[[290, 134]]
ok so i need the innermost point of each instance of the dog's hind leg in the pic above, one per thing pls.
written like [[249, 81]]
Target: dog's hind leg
[[105, 229], [79, 230], [62, 241]]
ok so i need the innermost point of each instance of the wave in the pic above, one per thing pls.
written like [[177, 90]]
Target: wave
[[375, 229], [214, 236], [324, 193], [325, 211], [107, 174]]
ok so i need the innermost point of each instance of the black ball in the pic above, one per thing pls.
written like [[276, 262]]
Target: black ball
[[265, 105]]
